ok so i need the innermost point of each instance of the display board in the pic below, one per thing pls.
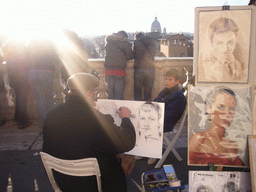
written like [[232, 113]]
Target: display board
[[252, 151], [219, 121], [212, 181], [224, 45]]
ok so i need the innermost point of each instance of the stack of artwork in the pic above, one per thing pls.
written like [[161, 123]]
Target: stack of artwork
[[220, 105]]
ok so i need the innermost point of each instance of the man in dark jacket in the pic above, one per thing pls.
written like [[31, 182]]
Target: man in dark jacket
[[144, 68], [118, 52], [76, 130]]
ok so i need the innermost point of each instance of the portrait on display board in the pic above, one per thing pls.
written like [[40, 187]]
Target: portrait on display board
[[220, 119], [221, 181], [252, 152], [223, 46], [147, 119]]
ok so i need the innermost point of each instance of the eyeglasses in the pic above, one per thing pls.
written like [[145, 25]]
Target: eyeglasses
[[96, 93]]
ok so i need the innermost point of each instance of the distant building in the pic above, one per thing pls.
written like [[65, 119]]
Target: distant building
[[156, 27], [156, 33], [167, 45], [176, 45], [164, 31]]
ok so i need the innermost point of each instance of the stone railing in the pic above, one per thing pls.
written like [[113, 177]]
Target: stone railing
[[161, 64]]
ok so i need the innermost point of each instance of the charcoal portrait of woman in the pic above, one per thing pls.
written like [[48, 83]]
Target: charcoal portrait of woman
[[225, 122]]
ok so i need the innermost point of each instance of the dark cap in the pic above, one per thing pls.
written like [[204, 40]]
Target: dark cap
[[123, 33], [83, 82]]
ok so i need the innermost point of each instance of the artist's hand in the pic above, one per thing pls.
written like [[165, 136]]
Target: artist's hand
[[124, 112]]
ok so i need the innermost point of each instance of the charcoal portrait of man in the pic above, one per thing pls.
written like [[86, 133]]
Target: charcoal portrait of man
[[224, 46]]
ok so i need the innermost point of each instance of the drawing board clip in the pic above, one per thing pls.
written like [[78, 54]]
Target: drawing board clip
[[225, 7]]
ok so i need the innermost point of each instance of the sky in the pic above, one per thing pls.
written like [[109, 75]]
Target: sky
[[24, 19]]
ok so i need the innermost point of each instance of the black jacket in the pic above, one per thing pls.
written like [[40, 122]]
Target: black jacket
[[144, 52], [175, 104], [74, 130]]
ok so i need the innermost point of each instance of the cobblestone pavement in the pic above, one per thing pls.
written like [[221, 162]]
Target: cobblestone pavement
[[20, 160], [12, 138]]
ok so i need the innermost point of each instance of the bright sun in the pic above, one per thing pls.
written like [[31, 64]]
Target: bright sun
[[24, 21]]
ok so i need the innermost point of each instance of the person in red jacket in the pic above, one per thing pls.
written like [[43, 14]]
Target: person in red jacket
[[118, 52]]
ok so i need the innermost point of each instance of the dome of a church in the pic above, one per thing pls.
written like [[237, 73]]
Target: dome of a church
[[156, 27]]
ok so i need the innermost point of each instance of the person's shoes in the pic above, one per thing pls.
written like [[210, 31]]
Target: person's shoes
[[151, 161], [25, 125], [138, 157]]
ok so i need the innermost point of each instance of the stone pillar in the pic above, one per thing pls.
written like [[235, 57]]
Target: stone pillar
[[129, 81], [98, 65]]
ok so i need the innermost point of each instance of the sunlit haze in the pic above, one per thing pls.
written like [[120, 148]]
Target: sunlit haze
[[28, 19]]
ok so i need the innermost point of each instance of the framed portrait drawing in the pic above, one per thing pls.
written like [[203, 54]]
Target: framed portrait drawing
[[147, 119], [221, 181], [252, 151], [223, 45], [220, 118]]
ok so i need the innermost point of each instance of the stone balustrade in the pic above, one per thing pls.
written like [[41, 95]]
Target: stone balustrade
[[161, 64]]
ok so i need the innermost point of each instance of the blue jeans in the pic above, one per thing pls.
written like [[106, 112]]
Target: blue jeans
[[143, 78], [42, 83], [115, 87]]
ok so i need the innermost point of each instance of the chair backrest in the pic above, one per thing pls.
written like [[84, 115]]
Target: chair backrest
[[81, 167]]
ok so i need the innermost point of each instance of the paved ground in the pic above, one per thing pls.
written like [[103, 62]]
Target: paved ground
[[11, 138], [20, 160]]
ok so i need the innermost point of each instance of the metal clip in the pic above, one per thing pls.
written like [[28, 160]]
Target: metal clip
[[225, 7]]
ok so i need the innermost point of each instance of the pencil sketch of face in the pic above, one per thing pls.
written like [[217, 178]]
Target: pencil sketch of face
[[111, 109], [230, 187], [221, 106], [203, 188], [223, 37], [149, 122]]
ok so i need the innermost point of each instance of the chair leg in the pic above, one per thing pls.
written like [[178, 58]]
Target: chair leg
[[167, 151], [142, 182], [159, 163], [177, 155], [170, 144]]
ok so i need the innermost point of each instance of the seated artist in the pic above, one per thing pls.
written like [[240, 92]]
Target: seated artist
[[76, 130]]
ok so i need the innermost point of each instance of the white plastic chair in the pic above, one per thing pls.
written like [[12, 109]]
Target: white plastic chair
[[80, 167], [170, 144]]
